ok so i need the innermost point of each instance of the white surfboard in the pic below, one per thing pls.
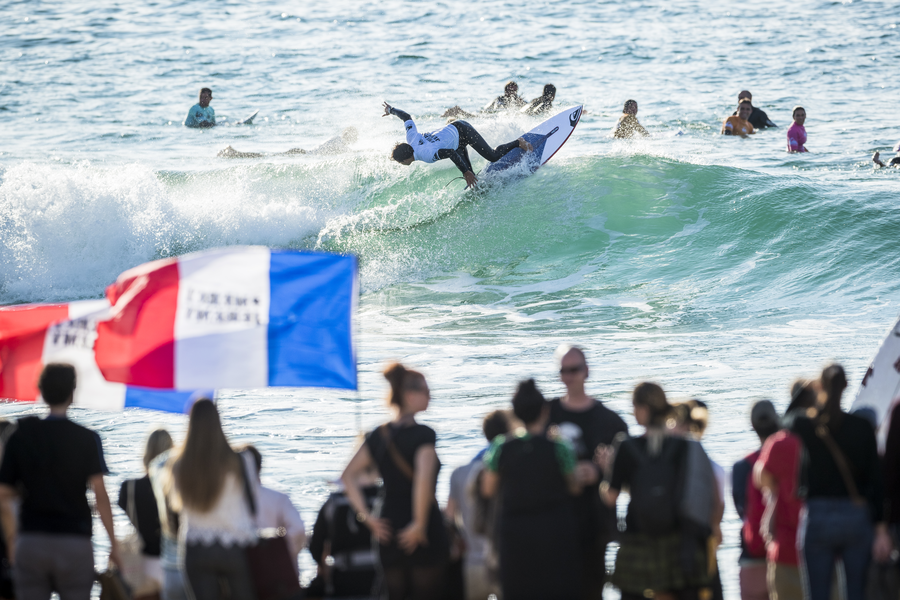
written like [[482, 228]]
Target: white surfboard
[[248, 120], [880, 388], [547, 138]]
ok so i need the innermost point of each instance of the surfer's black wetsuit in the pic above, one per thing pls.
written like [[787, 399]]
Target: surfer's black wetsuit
[[468, 136], [759, 119]]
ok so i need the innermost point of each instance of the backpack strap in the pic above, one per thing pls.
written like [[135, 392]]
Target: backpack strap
[[398, 459], [840, 460]]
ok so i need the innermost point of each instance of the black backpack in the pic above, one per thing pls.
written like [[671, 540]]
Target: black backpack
[[656, 487]]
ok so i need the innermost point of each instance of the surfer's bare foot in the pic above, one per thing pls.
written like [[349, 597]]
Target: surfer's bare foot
[[524, 145]]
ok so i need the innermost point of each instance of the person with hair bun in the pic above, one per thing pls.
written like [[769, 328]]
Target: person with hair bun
[[540, 554], [413, 545], [844, 515], [663, 551]]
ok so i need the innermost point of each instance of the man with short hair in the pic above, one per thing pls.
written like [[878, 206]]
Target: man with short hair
[[48, 464], [543, 103], [748, 501], [758, 117], [276, 511], [480, 581], [201, 115], [588, 426]]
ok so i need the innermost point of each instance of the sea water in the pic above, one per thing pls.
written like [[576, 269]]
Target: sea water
[[720, 267]]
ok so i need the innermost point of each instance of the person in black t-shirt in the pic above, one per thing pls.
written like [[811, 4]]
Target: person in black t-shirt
[[845, 494], [588, 426], [413, 545], [49, 463], [758, 117], [137, 499]]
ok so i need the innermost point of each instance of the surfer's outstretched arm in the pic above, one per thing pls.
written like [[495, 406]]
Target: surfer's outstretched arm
[[390, 110]]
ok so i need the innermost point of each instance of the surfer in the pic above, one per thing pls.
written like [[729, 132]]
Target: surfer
[[543, 103], [628, 125], [739, 125], [449, 142], [796, 134], [894, 162], [758, 117], [336, 145], [509, 100], [201, 115]]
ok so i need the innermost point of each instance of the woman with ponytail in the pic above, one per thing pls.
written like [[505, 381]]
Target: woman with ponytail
[[413, 544], [535, 478], [844, 515]]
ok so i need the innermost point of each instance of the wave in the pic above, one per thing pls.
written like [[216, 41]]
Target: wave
[[680, 236]]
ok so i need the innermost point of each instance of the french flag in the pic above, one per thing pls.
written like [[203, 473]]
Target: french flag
[[235, 317], [33, 335]]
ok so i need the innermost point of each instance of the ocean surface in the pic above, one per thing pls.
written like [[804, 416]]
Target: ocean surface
[[722, 268]]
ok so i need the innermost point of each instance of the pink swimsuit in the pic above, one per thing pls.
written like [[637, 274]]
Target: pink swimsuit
[[796, 137]]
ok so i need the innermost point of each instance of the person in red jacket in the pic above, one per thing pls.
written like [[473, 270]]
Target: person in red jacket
[[748, 501]]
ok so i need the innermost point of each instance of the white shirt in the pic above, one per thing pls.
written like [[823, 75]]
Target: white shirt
[[276, 510], [426, 145]]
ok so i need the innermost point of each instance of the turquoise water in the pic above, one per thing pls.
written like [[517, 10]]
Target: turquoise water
[[721, 268]]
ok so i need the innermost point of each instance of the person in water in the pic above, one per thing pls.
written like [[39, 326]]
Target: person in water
[[758, 117], [543, 103], [796, 135], [628, 125], [449, 142], [336, 145], [894, 162], [201, 115], [508, 101], [739, 125]]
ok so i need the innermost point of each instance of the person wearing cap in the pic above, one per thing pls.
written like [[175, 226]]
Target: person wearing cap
[[894, 162], [796, 133], [758, 117], [748, 501]]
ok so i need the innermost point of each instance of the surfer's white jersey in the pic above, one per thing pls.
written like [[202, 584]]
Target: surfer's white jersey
[[426, 145]]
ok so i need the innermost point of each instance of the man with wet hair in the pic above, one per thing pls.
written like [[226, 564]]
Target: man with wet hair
[[508, 101], [758, 117], [628, 125], [543, 103], [589, 426], [201, 115], [48, 464], [449, 142]]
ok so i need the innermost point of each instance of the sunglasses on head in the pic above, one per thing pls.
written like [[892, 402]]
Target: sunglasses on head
[[571, 370]]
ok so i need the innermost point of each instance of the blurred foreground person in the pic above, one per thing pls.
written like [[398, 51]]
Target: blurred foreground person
[[413, 544], [275, 510], [664, 551], [136, 498], [844, 517], [748, 501], [540, 556], [342, 546], [50, 463], [208, 487], [588, 425], [478, 575]]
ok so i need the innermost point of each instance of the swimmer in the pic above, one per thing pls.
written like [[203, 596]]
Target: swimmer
[[894, 162], [335, 145], [201, 115], [758, 117], [796, 134], [738, 125], [542, 104], [449, 142], [509, 100], [628, 125]]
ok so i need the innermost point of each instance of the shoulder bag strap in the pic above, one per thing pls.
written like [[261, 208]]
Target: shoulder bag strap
[[841, 461], [399, 460]]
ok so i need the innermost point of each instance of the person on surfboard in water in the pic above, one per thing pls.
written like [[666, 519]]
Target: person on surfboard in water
[[448, 142]]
